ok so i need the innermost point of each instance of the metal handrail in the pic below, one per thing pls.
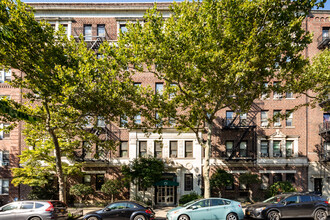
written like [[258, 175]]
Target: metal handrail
[[323, 40], [76, 32], [324, 127]]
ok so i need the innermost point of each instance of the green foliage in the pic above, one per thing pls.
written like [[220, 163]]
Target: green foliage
[[280, 187], [220, 179], [112, 187], [81, 191], [249, 179], [144, 171], [219, 54], [189, 197], [48, 192]]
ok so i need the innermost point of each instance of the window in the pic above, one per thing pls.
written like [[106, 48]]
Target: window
[[123, 151], [27, 205], [289, 118], [291, 200], [65, 27], [88, 32], [137, 119], [325, 33], [188, 149], [123, 121], [100, 122], [159, 120], [99, 182], [173, 149], [243, 149], [158, 149], [137, 84], [289, 148], [172, 121], [4, 186], [290, 177], [289, 95], [11, 206], [229, 117], [305, 199], [243, 119], [3, 133], [277, 177], [277, 119], [264, 118], [142, 148], [265, 94], [159, 88], [4, 158], [87, 180], [188, 182], [5, 75], [7, 97], [216, 202], [87, 150], [326, 117], [264, 149], [101, 30], [276, 148], [173, 90], [123, 28], [229, 148], [277, 95]]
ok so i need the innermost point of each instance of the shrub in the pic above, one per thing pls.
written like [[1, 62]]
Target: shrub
[[43, 193], [81, 191], [280, 187], [189, 197]]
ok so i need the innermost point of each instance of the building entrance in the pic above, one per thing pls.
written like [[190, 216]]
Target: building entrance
[[166, 192]]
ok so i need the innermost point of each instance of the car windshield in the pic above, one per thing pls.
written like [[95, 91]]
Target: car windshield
[[189, 203], [274, 199]]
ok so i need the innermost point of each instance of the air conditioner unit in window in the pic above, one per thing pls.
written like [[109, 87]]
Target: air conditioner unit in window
[[277, 154]]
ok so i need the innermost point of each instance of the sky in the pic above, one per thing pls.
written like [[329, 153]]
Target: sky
[[326, 7]]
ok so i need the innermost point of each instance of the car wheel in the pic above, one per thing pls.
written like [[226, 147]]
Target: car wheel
[[320, 215], [183, 217], [231, 216], [273, 215], [35, 218], [92, 218], [139, 217]]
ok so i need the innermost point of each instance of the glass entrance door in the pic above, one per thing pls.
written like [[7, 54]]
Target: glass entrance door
[[165, 195]]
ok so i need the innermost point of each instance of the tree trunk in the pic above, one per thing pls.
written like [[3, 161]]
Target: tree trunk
[[111, 197], [58, 161], [206, 168], [250, 195]]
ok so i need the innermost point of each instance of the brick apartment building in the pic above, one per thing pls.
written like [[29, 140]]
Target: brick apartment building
[[284, 150]]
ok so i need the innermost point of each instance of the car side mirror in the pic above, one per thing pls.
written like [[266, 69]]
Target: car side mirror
[[284, 203], [193, 207], [107, 209]]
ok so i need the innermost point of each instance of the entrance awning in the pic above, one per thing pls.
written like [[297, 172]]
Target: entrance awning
[[166, 183]]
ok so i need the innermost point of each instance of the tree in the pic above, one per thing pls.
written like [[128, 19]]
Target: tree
[[221, 179], [317, 78], [66, 87], [218, 54], [81, 191], [249, 179], [112, 187], [144, 172]]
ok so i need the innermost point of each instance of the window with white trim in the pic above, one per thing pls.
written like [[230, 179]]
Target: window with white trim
[[276, 94], [264, 118], [265, 95], [264, 149], [188, 149], [4, 158], [229, 117], [159, 88], [3, 133], [289, 148], [243, 149], [142, 148], [5, 75], [277, 120], [277, 148], [137, 119], [173, 149], [229, 148], [4, 186], [289, 119]]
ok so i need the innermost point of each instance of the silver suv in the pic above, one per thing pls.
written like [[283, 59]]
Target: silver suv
[[34, 210]]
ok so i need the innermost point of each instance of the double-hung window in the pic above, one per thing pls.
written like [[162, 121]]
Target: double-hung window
[[188, 149], [159, 88], [277, 119], [4, 158], [101, 30], [5, 75], [88, 32], [173, 149], [276, 148], [3, 133], [4, 186], [229, 148], [264, 148], [188, 182], [243, 149], [289, 119], [123, 151], [142, 148], [264, 118], [289, 148], [229, 117], [158, 149]]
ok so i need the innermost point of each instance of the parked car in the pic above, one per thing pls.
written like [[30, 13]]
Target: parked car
[[292, 205], [212, 208], [34, 210], [122, 210]]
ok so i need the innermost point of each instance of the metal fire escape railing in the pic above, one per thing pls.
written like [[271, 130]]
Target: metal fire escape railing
[[94, 40], [324, 132], [323, 41], [247, 125]]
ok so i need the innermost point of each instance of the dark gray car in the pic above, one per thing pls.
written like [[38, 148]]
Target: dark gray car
[[34, 210]]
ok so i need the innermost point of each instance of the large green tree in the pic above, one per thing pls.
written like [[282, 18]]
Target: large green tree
[[65, 86], [219, 54]]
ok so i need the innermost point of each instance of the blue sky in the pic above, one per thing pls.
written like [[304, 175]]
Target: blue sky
[[326, 7]]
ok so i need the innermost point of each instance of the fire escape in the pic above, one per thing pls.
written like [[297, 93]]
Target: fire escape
[[245, 125], [93, 38], [323, 41], [324, 132]]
